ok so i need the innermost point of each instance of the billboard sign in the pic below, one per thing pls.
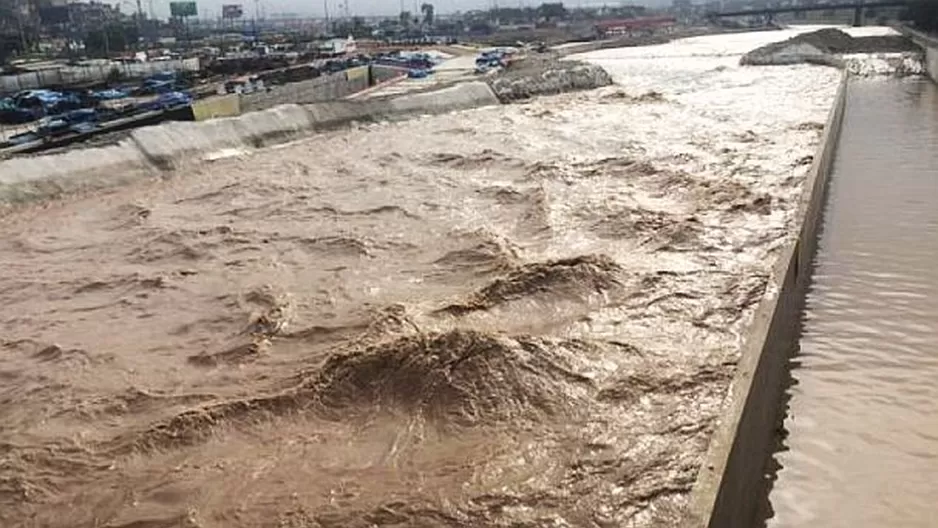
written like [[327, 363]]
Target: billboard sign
[[182, 9], [232, 11]]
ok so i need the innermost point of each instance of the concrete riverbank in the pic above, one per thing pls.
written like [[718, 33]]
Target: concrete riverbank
[[731, 484], [859, 443], [148, 151]]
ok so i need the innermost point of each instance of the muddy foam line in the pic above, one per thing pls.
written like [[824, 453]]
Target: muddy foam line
[[520, 315]]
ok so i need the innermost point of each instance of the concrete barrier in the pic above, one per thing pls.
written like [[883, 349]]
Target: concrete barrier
[[930, 45], [217, 106], [280, 123], [457, 97], [332, 114], [381, 73], [175, 144], [44, 177], [731, 486], [327, 87]]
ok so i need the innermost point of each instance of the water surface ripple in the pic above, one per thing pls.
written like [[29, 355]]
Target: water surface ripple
[[862, 446]]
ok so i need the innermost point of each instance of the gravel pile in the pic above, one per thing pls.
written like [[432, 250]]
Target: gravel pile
[[824, 46], [547, 76]]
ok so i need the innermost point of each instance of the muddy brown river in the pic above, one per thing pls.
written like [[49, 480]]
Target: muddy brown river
[[862, 437], [515, 316]]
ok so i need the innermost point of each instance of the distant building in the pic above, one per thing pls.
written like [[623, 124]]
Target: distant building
[[633, 26], [62, 15], [337, 46]]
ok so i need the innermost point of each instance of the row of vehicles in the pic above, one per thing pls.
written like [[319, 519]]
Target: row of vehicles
[[54, 114]]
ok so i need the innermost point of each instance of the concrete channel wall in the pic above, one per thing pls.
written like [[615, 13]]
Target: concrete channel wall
[[158, 150], [731, 486], [930, 45], [325, 88]]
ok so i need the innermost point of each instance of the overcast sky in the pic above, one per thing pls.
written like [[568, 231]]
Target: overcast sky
[[212, 8]]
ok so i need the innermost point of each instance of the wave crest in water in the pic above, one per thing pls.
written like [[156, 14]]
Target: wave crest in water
[[583, 275], [457, 378]]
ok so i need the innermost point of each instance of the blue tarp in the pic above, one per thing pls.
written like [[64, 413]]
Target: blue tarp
[[168, 100], [418, 73], [108, 95]]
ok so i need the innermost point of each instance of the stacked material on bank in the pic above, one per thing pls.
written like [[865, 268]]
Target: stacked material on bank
[[827, 46]]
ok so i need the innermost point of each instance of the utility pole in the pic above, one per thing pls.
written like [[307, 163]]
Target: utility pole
[[257, 11], [139, 24]]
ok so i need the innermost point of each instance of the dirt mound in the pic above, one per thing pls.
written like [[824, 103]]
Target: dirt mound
[[824, 46], [547, 77], [462, 378], [829, 39], [582, 275]]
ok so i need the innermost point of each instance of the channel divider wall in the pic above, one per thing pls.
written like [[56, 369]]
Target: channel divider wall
[[732, 485]]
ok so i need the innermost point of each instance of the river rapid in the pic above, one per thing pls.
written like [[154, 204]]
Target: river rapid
[[521, 315]]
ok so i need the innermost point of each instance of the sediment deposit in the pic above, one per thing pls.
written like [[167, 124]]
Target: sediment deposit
[[536, 76], [863, 55], [518, 315]]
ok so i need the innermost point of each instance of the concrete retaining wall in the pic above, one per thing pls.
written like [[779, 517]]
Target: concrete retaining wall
[[175, 145], [278, 124], [930, 45], [325, 88], [731, 485], [217, 106], [380, 73], [457, 97], [43, 177]]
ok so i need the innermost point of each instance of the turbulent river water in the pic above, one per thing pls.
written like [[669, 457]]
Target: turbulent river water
[[862, 436], [523, 315]]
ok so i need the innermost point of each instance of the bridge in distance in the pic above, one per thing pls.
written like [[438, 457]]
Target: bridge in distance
[[857, 8]]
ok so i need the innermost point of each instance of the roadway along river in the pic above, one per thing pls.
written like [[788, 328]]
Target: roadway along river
[[862, 446]]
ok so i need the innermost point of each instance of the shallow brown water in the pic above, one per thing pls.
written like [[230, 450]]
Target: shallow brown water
[[862, 445], [443, 322]]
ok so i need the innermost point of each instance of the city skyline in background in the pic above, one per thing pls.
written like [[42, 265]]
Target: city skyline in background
[[209, 9]]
